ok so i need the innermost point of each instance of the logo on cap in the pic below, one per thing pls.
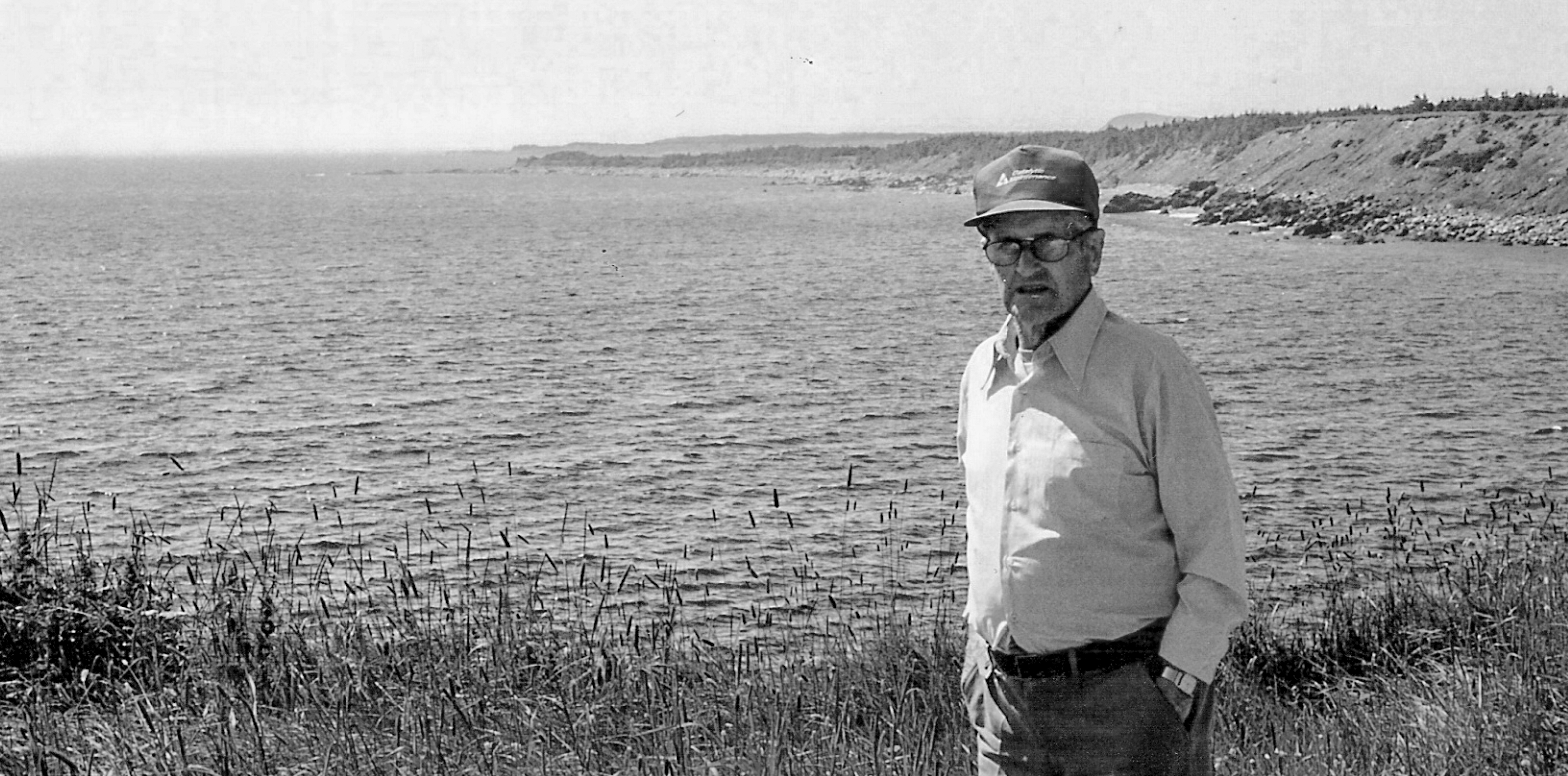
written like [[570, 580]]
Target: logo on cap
[[1029, 173]]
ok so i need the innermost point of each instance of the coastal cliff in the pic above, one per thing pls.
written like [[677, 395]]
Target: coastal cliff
[[1504, 163], [1439, 175], [1482, 175]]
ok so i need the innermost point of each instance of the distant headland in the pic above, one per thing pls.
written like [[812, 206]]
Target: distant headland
[[718, 144], [1489, 168]]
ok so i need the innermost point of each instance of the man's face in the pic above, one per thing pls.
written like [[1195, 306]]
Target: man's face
[[1038, 293]]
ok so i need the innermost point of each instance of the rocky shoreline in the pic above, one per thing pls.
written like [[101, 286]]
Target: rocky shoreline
[[1366, 218], [1361, 219]]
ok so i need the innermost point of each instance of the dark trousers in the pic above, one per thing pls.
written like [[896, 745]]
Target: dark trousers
[[1108, 722]]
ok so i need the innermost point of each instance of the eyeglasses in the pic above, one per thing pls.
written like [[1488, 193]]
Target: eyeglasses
[[1048, 248]]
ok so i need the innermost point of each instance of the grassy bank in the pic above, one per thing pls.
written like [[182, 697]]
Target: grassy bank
[[252, 658]]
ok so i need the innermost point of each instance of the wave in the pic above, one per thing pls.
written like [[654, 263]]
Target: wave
[[692, 404], [908, 414], [1267, 457]]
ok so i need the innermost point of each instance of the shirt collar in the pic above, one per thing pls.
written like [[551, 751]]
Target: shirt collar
[[1070, 344]]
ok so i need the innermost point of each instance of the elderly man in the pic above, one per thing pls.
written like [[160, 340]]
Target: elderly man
[[1105, 536]]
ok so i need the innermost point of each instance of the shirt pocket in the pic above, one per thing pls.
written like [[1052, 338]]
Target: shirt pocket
[[1110, 481]]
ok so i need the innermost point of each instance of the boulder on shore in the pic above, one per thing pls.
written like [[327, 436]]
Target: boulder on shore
[[1194, 194], [1133, 202]]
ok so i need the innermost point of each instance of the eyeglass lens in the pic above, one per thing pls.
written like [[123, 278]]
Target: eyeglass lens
[[1046, 248]]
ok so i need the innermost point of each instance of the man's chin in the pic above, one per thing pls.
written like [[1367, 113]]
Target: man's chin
[[1035, 315]]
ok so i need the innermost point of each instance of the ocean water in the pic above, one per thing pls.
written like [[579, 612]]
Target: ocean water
[[722, 377]]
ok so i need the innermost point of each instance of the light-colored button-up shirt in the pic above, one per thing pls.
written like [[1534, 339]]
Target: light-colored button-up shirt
[[1100, 497]]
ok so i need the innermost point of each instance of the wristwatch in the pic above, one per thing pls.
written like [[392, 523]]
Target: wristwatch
[[1184, 681]]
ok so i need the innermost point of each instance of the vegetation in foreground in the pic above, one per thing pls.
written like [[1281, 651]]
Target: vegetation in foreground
[[147, 664]]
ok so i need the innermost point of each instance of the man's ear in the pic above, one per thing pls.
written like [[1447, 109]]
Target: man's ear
[[1094, 244]]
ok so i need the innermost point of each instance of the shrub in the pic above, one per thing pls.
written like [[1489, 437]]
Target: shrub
[[73, 626], [1471, 161], [1423, 149]]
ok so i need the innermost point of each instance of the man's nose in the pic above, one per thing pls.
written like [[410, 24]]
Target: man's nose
[[1029, 264]]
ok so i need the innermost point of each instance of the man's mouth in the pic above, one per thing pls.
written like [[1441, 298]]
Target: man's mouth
[[1034, 288]]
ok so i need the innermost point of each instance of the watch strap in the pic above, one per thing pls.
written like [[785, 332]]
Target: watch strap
[[1184, 681]]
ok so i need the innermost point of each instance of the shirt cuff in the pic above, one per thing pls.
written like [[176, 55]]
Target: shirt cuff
[[1198, 633]]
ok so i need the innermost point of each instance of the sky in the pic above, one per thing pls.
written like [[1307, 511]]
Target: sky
[[215, 76]]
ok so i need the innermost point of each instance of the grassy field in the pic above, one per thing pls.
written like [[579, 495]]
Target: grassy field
[[252, 658]]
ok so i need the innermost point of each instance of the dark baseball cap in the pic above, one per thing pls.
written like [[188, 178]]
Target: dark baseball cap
[[1035, 177]]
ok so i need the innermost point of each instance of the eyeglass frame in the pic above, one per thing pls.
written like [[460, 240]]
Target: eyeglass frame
[[1065, 242]]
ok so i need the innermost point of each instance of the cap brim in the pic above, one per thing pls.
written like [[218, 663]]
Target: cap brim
[[1022, 205]]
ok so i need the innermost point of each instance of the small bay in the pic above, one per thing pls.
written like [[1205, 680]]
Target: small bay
[[638, 368]]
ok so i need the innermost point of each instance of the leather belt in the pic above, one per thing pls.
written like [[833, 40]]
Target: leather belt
[[1068, 662], [1094, 657]]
